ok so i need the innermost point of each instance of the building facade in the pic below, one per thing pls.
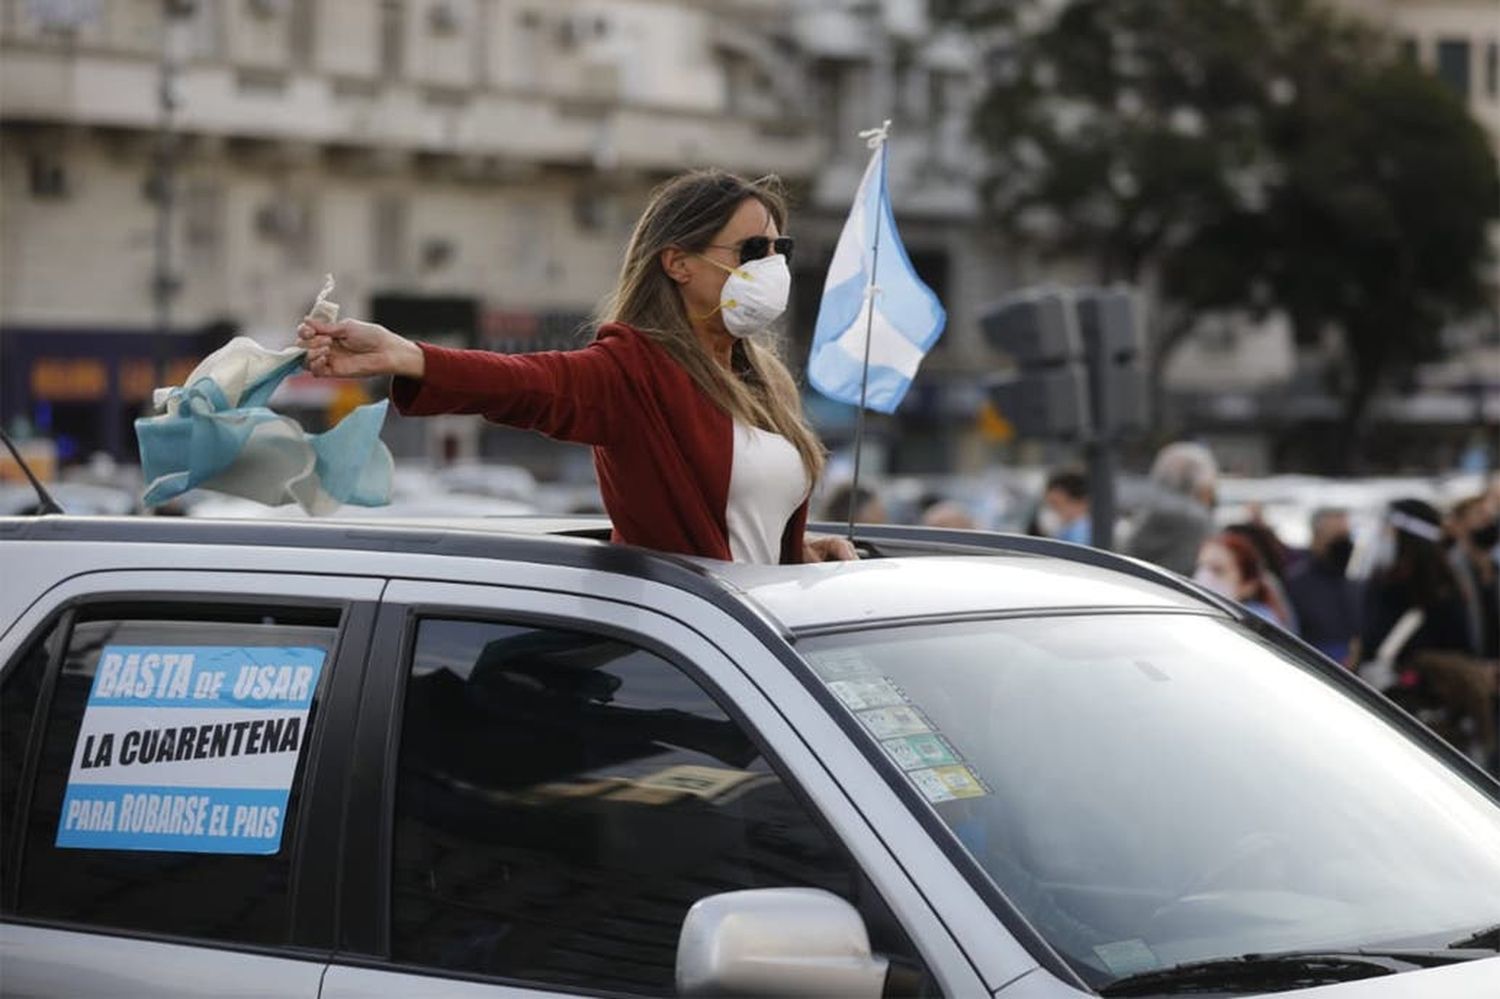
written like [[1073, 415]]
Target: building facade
[[1459, 40], [468, 170]]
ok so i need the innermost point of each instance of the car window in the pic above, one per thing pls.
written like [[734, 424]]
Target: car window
[[564, 798], [18, 706], [1151, 790], [167, 787]]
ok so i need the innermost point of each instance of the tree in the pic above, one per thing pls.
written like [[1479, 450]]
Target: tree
[[1250, 155]]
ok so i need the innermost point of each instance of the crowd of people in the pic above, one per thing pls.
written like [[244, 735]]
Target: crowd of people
[[1419, 616]]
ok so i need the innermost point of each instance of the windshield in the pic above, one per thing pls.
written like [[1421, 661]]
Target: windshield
[[1153, 789]]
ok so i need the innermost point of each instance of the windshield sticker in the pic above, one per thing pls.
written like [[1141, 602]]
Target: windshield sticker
[[908, 738], [916, 751], [189, 749], [948, 783], [859, 695], [841, 664], [1127, 957], [888, 723]]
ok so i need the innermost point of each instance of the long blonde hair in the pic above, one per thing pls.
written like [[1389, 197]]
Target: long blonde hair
[[687, 211]]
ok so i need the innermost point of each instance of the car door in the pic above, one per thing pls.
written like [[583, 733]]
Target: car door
[[545, 782], [172, 772]]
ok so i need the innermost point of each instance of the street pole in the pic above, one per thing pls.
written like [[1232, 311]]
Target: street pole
[[1103, 422], [871, 290], [1102, 466], [164, 185]]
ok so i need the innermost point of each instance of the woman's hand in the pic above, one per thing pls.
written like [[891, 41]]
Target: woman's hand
[[826, 548], [351, 348]]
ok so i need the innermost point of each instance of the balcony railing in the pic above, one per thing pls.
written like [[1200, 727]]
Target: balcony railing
[[120, 92]]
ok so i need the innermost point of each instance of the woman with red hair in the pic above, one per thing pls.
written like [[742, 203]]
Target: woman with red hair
[[1230, 566]]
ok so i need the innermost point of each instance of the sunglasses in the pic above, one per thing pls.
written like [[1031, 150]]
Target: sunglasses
[[756, 247]]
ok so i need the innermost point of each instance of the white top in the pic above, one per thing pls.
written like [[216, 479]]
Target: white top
[[766, 485]]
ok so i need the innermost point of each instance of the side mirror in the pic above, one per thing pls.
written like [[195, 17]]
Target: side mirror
[[777, 942]]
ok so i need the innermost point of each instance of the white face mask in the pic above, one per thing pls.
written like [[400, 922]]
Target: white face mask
[[1213, 582], [1049, 522], [755, 294]]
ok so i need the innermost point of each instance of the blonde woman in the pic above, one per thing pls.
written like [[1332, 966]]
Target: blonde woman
[[699, 440]]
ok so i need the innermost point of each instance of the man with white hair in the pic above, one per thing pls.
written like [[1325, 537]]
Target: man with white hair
[[1178, 517]]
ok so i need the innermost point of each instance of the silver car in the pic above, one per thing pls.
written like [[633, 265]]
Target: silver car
[[509, 759]]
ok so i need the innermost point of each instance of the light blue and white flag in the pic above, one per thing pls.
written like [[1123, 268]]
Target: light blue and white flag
[[217, 432], [872, 289]]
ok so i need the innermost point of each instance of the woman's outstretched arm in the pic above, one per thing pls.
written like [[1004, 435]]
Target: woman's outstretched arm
[[574, 395]]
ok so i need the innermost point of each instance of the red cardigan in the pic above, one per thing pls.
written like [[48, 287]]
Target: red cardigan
[[662, 450]]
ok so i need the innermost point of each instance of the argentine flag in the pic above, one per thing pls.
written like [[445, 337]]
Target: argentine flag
[[216, 432], [907, 317]]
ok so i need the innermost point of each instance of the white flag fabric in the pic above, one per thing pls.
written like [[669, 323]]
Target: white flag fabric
[[217, 432], [907, 317]]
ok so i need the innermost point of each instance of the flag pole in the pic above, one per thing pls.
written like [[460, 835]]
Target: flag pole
[[875, 137]]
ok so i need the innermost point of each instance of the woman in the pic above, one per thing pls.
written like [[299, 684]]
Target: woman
[[1412, 573], [1230, 566], [699, 440], [1273, 558]]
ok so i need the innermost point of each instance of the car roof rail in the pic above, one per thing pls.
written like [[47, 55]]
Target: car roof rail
[[884, 539], [878, 540]]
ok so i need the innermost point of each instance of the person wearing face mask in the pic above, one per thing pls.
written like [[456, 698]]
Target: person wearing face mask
[[1324, 599], [700, 444], [1065, 507], [1476, 531], [1229, 566], [1273, 557]]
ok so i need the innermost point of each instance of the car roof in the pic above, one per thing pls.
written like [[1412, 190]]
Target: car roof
[[841, 594], [906, 572]]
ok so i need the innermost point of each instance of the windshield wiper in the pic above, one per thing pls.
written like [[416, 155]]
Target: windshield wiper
[[1272, 972], [1487, 939]]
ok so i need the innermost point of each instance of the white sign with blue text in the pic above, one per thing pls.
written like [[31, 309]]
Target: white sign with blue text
[[189, 748]]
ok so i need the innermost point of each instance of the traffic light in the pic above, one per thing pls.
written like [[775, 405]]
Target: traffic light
[[1078, 377], [1047, 395], [1078, 355], [1113, 349], [1035, 326], [1049, 402]]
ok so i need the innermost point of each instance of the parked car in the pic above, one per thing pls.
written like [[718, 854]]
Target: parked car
[[507, 482], [1287, 502], [350, 759], [75, 497]]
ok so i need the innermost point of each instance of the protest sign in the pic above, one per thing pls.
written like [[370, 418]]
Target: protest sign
[[189, 748]]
